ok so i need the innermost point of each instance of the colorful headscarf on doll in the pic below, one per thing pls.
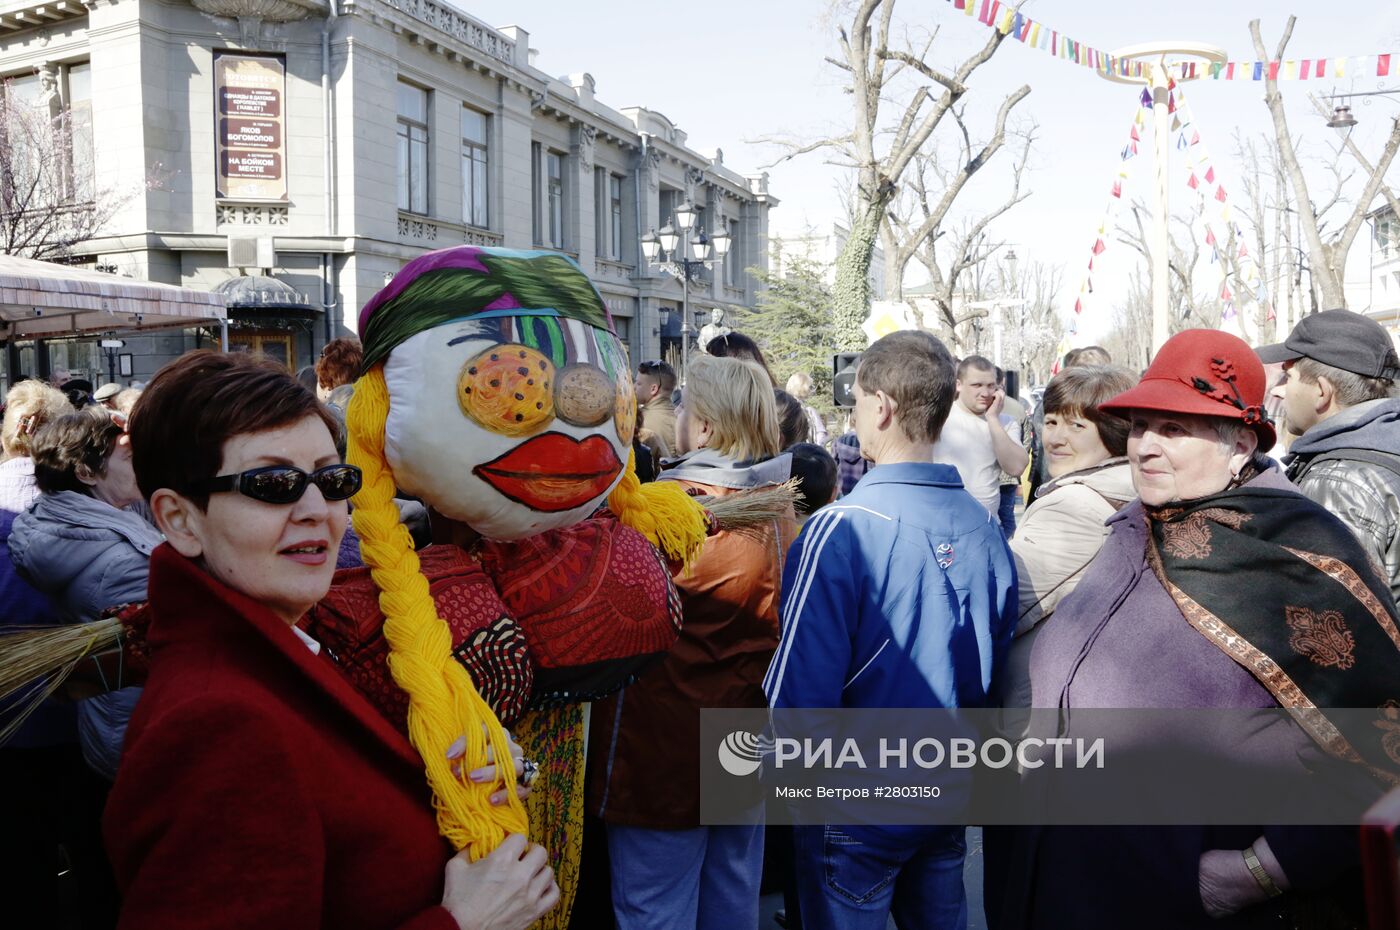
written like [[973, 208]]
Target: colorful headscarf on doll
[[511, 401], [496, 390]]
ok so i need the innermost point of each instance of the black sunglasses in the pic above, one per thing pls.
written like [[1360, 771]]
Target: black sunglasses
[[285, 484]]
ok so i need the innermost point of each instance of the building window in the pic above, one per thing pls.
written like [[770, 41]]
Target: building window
[[615, 216], [47, 138], [536, 183], [666, 206], [554, 171], [1387, 234], [734, 258], [413, 148], [607, 206], [77, 104], [475, 163], [600, 211]]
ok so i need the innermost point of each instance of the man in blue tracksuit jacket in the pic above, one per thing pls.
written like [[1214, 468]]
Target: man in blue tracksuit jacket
[[901, 594]]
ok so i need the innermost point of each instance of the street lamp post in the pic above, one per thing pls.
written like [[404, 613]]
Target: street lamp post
[[1015, 288], [683, 254]]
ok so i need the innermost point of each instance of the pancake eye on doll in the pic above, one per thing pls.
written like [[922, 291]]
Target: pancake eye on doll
[[625, 410], [508, 389]]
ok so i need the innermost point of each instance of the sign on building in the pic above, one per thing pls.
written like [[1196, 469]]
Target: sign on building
[[251, 147]]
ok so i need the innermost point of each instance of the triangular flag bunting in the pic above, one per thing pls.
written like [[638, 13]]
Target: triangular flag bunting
[[1099, 247], [1220, 194], [1210, 175], [1193, 183]]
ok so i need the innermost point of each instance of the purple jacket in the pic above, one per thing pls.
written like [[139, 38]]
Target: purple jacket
[[1119, 641]]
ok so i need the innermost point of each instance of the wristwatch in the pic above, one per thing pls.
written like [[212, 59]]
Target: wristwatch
[[1256, 868]]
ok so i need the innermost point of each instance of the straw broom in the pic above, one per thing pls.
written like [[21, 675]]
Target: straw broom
[[751, 513], [35, 661]]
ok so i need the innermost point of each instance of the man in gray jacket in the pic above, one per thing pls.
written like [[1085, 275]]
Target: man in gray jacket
[[1338, 399]]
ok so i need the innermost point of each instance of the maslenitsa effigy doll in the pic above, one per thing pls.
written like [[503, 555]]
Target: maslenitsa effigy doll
[[495, 390]]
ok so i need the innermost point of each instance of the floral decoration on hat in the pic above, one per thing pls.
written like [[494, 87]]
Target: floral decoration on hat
[[1224, 369]]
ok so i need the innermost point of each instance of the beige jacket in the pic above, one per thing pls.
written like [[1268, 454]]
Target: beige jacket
[[1057, 538], [659, 416]]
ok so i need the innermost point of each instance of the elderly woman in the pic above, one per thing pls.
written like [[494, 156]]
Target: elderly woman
[[1191, 603], [667, 869], [1062, 530], [28, 406], [259, 788], [79, 545]]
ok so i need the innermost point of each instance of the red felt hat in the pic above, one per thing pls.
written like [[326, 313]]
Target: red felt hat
[[1204, 372]]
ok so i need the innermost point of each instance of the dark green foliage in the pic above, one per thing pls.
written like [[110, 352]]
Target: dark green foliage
[[793, 322]]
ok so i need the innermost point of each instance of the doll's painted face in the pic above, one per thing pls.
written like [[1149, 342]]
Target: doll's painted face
[[513, 425]]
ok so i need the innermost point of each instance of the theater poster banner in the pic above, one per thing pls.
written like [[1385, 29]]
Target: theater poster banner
[[251, 147]]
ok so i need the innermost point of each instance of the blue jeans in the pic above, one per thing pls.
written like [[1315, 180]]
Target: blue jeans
[[701, 879], [846, 884], [1006, 510]]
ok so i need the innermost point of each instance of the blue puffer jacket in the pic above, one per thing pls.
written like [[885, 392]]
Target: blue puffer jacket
[[88, 556]]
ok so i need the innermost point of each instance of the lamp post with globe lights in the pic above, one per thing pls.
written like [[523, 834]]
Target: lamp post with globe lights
[[682, 251]]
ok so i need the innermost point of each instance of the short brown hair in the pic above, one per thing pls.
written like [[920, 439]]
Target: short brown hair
[[793, 425], [979, 362], [1078, 391], [85, 438], [737, 345], [915, 369], [1350, 388], [339, 363], [1089, 355], [664, 374], [200, 401]]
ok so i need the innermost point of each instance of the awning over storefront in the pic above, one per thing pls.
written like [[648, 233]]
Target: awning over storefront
[[41, 300]]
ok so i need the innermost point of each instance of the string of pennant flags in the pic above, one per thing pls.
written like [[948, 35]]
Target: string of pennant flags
[[1223, 236], [1103, 233], [1011, 22], [1232, 251]]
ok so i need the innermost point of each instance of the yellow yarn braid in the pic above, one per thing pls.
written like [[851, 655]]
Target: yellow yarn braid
[[443, 703], [661, 511]]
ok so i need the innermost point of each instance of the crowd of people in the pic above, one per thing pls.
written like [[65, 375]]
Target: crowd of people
[[1132, 540]]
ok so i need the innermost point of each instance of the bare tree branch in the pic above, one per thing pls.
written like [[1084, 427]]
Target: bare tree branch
[[920, 66]]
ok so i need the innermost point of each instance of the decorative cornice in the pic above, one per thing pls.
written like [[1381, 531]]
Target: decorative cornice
[[272, 11], [459, 26]]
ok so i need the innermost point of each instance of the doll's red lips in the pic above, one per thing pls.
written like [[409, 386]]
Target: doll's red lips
[[553, 472]]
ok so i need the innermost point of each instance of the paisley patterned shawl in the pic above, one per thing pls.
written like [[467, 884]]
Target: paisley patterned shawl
[[1282, 587]]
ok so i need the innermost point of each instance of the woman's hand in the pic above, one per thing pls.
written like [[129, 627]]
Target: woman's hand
[[508, 890], [1226, 884], [487, 773]]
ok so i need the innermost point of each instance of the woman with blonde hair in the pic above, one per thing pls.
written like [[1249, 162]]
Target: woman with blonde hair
[[28, 406], [667, 869], [799, 385]]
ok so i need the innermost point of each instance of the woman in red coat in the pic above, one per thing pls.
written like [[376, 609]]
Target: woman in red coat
[[258, 788]]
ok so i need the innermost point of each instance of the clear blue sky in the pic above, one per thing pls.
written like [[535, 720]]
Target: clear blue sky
[[730, 72]]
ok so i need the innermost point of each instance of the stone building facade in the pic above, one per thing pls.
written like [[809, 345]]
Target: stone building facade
[[324, 143]]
